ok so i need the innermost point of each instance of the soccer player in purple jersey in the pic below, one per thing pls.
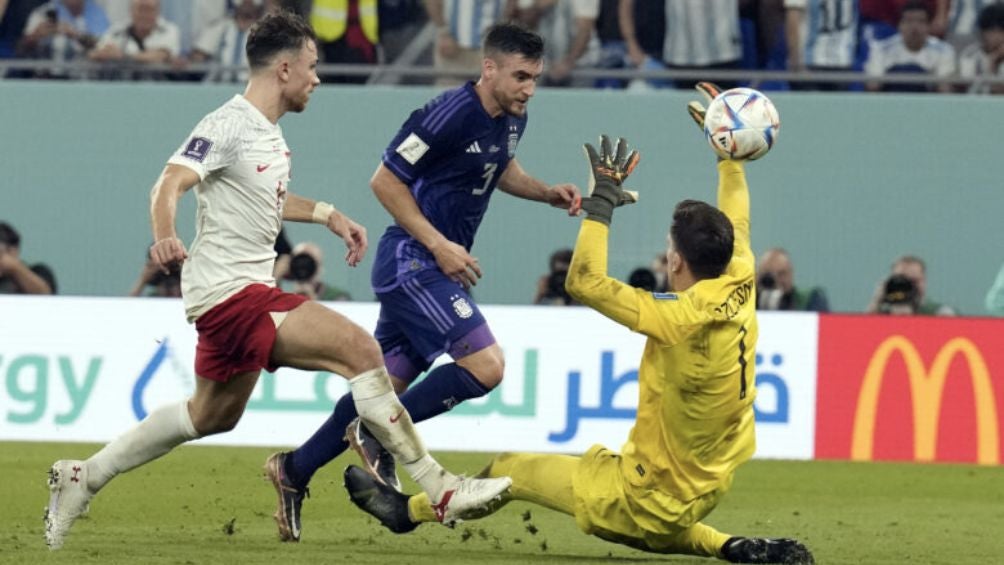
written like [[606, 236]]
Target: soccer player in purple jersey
[[435, 178]]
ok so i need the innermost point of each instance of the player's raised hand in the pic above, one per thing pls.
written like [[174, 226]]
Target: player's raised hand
[[168, 254], [608, 168], [456, 263], [353, 234], [695, 108], [565, 196]]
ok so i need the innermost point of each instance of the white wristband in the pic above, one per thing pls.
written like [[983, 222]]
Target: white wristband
[[322, 211]]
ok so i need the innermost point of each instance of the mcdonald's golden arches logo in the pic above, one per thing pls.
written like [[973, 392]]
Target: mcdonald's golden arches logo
[[926, 391]]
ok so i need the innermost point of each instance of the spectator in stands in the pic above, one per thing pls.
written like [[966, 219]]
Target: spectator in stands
[[224, 43], [649, 20], [460, 25], [194, 17], [963, 19], [400, 22], [347, 34], [62, 30], [905, 291], [15, 276], [701, 35], [776, 288], [569, 40], [982, 59], [912, 50], [306, 269], [13, 17], [880, 18], [153, 282], [551, 287], [822, 35], [146, 38]]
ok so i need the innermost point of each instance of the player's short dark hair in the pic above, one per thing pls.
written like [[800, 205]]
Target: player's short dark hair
[[9, 235], [915, 6], [513, 39], [703, 235], [274, 33], [991, 17]]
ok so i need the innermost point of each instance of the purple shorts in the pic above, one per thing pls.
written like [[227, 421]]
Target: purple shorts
[[424, 317]]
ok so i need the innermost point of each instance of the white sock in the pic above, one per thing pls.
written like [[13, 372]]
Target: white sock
[[161, 431], [385, 417]]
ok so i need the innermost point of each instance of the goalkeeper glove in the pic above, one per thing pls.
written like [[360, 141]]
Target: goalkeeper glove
[[710, 90], [607, 170]]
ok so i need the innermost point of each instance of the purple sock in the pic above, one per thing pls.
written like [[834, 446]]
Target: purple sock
[[441, 390], [327, 443]]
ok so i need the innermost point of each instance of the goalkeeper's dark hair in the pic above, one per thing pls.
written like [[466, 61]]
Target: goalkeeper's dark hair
[[703, 235], [274, 33], [513, 39]]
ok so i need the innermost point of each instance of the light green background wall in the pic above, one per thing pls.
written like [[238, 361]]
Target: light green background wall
[[854, 181]]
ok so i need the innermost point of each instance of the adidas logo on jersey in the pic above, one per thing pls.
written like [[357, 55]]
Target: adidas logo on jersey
[[473, 148]]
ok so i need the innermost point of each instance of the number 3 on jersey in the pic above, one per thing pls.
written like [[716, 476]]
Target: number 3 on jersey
[[488, 175]]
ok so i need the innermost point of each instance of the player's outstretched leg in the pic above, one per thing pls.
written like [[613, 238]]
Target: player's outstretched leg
[[376, 460], [766, 550], [287, 513], [68, 497], [455, 498]]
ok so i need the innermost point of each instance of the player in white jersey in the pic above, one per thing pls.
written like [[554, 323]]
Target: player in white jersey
[[238, 162]]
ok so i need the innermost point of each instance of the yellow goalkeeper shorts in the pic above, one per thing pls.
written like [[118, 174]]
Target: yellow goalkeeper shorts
[[607, 506]]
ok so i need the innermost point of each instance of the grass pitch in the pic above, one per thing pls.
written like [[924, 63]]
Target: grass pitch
[[210, 505]]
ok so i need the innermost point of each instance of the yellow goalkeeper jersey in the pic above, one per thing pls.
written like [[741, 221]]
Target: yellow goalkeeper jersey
[[697, 374]]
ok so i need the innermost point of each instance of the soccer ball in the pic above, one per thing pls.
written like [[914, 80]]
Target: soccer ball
[[741, 124]]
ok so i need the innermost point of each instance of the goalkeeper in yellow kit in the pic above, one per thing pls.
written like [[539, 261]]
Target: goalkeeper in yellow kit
[[696, 385]]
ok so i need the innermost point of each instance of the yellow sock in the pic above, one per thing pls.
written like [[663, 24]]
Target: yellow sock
[[699, 539], [541, 479]]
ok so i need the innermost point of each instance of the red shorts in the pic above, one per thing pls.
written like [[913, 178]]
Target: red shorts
[[237, 334]]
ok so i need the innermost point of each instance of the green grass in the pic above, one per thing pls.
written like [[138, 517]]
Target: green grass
[[210, 505]]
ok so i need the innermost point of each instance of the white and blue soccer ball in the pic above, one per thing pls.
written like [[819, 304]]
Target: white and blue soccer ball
[[741, 124]]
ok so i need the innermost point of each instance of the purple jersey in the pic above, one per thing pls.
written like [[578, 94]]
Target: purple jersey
[[451, 154]]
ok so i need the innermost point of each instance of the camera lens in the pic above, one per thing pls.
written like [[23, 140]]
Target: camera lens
[[302, 267]]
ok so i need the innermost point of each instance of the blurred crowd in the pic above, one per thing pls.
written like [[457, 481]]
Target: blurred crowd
[[913, 45]]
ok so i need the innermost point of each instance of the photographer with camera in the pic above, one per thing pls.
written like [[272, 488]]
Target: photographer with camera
[[15, 276], [904, 291], [305, 272], [551, 287], [153, 282], [776, 286]]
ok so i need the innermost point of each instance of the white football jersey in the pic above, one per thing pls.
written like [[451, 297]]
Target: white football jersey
[[244, 165], [890, 55]]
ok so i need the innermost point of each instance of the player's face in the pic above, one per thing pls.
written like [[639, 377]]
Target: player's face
[[515, 81], [302, 78]]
